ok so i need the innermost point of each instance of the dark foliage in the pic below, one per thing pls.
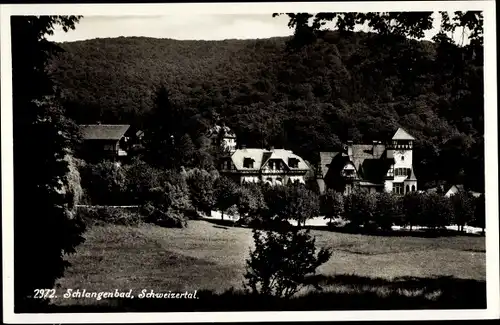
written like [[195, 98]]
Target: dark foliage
[[343, 85], [281, 261], [43, 136]]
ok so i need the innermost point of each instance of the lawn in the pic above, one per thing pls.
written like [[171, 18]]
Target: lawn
[[206, 256]]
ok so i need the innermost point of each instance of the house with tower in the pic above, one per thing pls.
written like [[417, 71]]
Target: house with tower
[[374, 167]]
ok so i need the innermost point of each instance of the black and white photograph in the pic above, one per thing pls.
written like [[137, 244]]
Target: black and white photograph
[[249, 161]]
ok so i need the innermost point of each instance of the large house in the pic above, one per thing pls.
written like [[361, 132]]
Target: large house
[[273, 166], [375, 167], [104, 141]]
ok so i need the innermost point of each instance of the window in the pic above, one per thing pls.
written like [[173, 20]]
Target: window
[[402, 158], [248, 163], [413, 188], [407, 189], [293, 162], [397, 188]]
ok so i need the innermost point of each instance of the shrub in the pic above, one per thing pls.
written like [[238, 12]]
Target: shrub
[[110, 215], [104, 183], [140, 179], [166, 218], [281, 261]]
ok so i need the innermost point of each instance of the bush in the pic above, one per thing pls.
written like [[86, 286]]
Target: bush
[[140, 179], [281, 261], [104, 183], [165, 218], [110, 215]]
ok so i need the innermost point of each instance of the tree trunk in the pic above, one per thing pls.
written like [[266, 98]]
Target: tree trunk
[[222, 214], [411, 227]]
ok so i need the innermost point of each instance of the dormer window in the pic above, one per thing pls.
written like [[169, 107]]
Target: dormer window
[[248, 162], [293, 162]]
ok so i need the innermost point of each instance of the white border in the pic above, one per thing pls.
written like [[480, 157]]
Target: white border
[[491, 159]]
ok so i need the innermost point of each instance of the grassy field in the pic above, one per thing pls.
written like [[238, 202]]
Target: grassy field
[[206, 256]]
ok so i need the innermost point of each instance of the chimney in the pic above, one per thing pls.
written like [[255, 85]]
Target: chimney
[[243, 146], [349, 147]]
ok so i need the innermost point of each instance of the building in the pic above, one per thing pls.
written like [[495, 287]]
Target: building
[[372, 167], [223, 136], [274, 166], [104, 141], [459, 188]]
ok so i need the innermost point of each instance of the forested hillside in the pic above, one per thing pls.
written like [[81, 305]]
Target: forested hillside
[[355, 86]]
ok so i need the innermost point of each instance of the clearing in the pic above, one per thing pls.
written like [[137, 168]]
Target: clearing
[[212, 257]]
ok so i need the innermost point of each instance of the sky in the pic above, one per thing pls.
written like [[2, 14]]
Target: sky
[[186, 27]]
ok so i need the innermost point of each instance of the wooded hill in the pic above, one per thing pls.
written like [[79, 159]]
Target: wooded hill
[[357, 86]]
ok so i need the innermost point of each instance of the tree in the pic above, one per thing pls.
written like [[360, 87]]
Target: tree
[[185, 152], [280, 262], [251, 203], [413, 209], [403, 24], [42, 139], [202, 189], [140, 179], [332, 204], [438, 211], [480, 212], [300, 205], [359, 208], [160, 137], [387, 210], [463, 204], [226, 194]]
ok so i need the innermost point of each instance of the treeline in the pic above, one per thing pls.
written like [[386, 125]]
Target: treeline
[[357, 86], [170, 198]]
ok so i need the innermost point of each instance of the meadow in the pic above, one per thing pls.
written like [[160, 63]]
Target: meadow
[[210, 258]]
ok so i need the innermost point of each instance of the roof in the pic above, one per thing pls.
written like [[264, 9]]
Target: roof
[[261, 156], [402, 135], [412, 176], [103, 131], [325, 161], [360, 152]]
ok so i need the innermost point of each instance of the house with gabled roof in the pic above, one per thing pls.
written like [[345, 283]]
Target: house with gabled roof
[[273, 166], [374, 167], [104, 141]]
